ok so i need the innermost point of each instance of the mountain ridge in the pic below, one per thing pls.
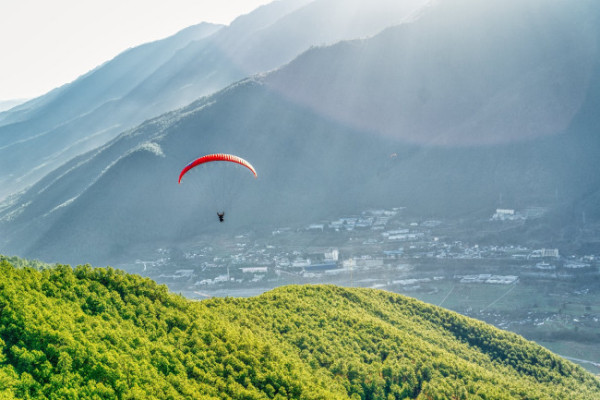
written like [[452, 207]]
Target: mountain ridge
[[42, 133], [338, 166], [481, 85], [69, 121]]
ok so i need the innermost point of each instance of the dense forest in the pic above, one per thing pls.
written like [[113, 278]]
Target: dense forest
[[100, 333]]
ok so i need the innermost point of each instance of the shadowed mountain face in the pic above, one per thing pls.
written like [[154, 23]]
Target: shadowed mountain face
[[101, 203], [467, 73], [439, 125], [149, 80]]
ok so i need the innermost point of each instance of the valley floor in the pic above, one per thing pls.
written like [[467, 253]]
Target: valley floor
[[538, 292]]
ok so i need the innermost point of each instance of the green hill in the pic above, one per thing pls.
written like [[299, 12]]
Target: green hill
[[89, 333]]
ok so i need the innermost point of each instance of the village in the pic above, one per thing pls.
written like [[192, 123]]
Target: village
[[538, 292], [378, 248]]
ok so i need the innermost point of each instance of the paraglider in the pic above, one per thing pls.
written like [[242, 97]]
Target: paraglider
[[217, 157]]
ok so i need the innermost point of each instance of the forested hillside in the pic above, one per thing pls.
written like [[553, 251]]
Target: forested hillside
[[101, 333]]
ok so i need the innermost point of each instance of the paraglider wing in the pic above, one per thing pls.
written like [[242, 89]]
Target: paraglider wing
[[217, 157]]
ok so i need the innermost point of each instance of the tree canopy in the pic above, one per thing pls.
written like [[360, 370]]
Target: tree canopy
[[100, 333]]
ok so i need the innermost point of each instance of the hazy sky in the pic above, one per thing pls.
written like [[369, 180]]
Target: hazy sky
[[46, 43]]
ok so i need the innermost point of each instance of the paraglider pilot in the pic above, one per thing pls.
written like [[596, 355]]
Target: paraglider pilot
[[221, 216]]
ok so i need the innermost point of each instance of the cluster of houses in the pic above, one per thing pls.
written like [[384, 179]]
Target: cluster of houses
[[489, 278], [376, 239], [507, 214]]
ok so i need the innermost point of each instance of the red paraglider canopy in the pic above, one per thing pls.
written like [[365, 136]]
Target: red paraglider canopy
[[217, 157]]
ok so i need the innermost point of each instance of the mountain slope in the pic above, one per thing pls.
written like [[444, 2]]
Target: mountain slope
[[100, 332], [39, 135], [152, 79], [241, 50], [465, 73], [99, 206], [8, 104], [111, 80]]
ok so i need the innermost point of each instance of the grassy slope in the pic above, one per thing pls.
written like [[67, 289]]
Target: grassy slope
[[100, 333]]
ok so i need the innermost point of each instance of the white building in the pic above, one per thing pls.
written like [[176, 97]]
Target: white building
[[576, 265], [504, 214], [544, 266], [541, 253], [301, 263], [253, 270], [406, 236], [395, 232], [332, 255]]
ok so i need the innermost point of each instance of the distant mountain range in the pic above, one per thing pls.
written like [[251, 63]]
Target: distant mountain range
[[515, 71], [458, 105], [43, 133], [157, 77], [92, 333], [8, 104]]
